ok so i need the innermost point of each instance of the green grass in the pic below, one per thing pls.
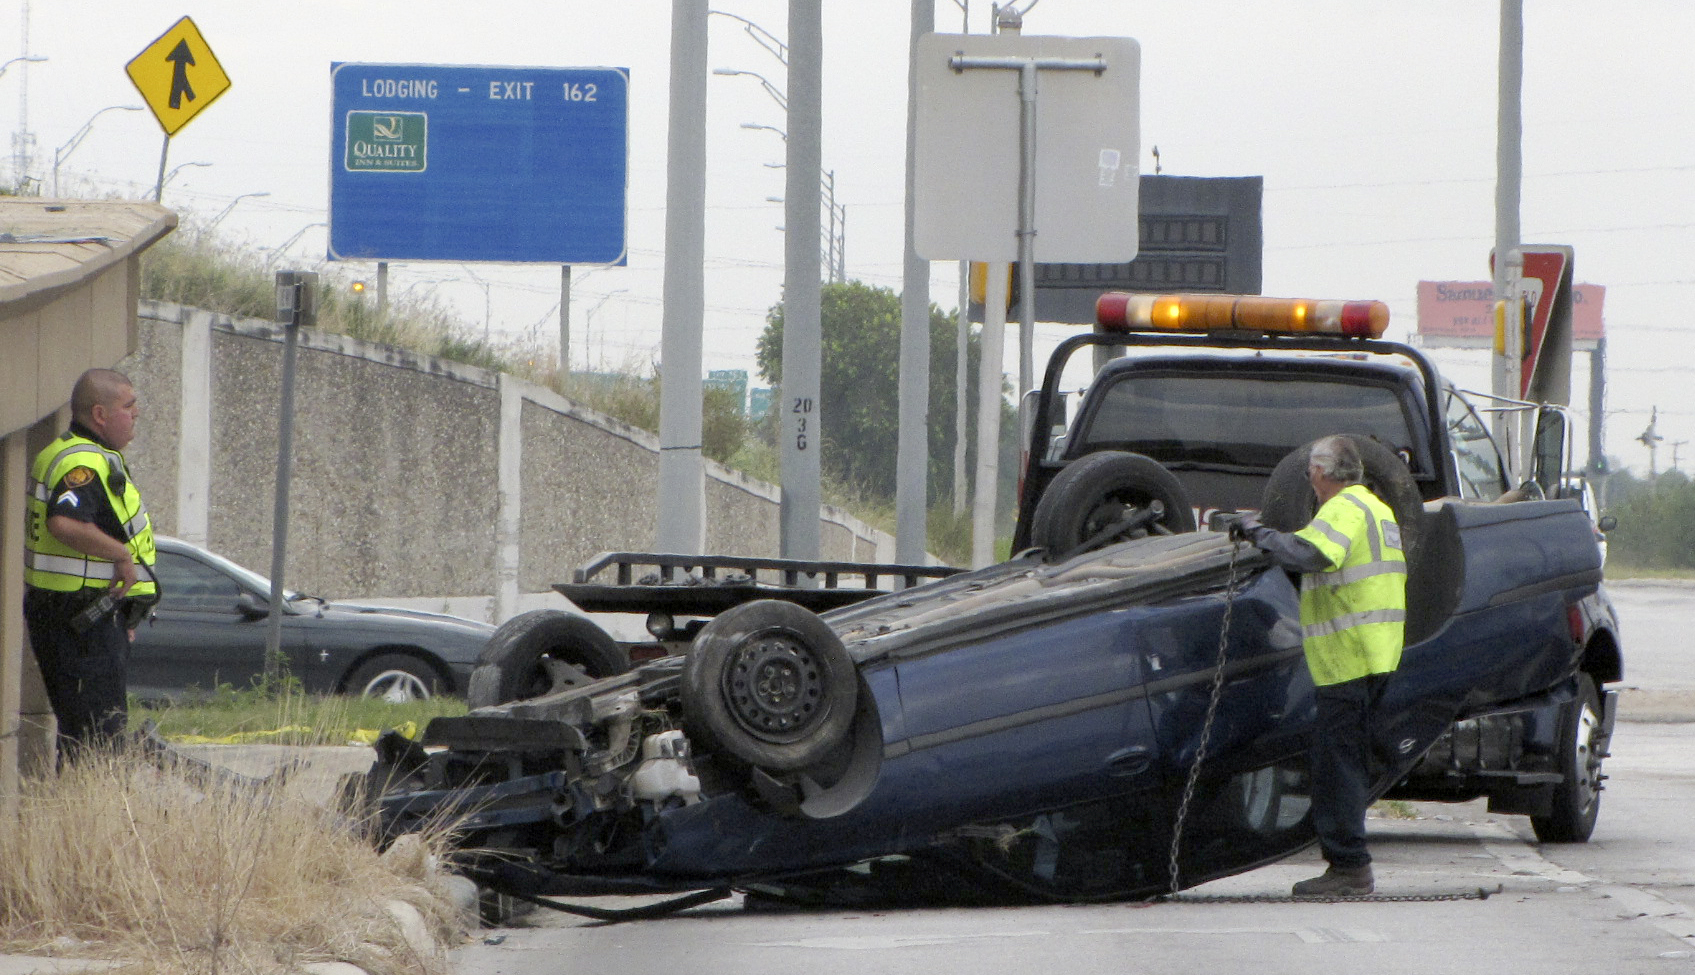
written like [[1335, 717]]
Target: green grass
[[286, 716]]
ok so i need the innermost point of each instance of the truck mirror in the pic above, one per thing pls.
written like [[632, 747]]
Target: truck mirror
[[1550, 449]]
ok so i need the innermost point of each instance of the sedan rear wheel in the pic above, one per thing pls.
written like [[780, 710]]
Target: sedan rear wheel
[[395, 678]]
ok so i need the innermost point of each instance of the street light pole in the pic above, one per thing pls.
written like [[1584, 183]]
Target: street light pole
[[173, 175], [835, 236], [776, 93], [290, 243], [764, 38], [226, 210], [63, 152]]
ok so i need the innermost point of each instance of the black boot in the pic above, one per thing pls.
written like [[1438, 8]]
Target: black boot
[[1337, 882]]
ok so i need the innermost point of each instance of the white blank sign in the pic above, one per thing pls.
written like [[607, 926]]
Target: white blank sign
[[1088, 138]]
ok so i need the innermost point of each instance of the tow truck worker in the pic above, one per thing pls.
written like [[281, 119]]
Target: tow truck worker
[[1353, 616]]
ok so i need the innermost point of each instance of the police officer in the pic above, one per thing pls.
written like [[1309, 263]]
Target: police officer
[[1353, 616], [88, 537]]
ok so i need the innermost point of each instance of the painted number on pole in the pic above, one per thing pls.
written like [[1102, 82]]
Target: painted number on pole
[[802, 407]]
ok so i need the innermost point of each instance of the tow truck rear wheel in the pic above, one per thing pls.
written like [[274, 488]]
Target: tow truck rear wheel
[[1104, 497], [1577, 799], [540, 652], [769, 684]]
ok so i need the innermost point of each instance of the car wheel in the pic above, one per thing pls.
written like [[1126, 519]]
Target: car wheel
[[396, 678], [1577, 799], [540, 652], [1099, 491], [768, 683]]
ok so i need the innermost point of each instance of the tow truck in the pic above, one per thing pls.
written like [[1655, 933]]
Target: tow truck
[[1120, 709]]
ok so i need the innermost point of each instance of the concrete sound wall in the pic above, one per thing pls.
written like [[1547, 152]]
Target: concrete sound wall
[[416, 480]]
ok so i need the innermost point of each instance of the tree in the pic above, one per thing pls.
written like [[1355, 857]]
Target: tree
[[859, 389]]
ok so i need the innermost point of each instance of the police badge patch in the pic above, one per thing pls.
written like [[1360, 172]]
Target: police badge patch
[[78, 476]]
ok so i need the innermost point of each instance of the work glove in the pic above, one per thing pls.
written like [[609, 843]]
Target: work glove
[[1244, 527]]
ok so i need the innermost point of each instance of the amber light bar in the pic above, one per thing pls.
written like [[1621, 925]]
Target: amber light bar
[[1121, 312]]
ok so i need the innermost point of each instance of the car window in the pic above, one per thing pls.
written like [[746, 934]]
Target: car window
[[189, 585], [1475, 455], [1240, 419]]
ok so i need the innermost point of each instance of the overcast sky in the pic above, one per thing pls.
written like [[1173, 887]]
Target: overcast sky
[[1373, 125]]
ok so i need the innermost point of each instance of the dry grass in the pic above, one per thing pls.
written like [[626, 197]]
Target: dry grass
[[163, 873]]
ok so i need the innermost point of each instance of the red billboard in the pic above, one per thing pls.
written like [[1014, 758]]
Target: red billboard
[[1463, 313]]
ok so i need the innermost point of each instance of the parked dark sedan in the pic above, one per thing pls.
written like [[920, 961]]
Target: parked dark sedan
[[210, 629]]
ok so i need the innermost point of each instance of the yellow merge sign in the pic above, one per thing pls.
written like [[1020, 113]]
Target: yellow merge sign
[[178, 76]]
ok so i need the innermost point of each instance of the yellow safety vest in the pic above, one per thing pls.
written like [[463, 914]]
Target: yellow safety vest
[[1353, 615], [50, 563]]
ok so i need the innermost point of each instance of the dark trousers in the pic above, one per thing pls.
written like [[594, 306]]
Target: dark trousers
[[1342, 766], [84, 672]]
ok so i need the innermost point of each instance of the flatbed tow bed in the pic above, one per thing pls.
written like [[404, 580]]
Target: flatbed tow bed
[[706, 585]]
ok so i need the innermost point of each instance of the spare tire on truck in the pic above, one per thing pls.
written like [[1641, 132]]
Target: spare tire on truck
[[770, 685], [540, 652], [1098, 491], [1289, 504]]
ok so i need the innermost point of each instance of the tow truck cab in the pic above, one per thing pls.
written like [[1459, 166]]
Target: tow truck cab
[[1220, 408]]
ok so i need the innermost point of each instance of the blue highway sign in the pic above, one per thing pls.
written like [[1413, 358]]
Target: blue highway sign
[[434, 162]]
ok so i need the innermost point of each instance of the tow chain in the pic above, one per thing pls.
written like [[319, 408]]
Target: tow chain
[[1206, 726], [1173, 895]]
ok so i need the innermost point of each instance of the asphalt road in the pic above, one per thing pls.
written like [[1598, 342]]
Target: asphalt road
[[1620, 904]]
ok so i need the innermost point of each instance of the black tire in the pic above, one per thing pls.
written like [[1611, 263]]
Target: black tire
[[1100, 489], [395, 677], [769, 684], [540, 652], [1577, 799], [1289, 504]]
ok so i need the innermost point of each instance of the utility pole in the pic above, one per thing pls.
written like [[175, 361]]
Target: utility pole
[[1651, 438], [912, 453], [800, 410], [682, 477], [1509, 346], [23, 140]]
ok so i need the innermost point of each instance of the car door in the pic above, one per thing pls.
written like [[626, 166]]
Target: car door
[[1252, 796], [1030, 720], [199, 636]]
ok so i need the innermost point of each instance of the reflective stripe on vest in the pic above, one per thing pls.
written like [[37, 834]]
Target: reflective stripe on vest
[[1353, 615], [50, 563]]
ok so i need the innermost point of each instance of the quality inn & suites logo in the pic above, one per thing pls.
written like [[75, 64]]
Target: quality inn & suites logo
[[387, 142]]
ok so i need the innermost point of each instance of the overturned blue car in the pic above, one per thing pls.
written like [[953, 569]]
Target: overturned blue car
[[1121, 710]]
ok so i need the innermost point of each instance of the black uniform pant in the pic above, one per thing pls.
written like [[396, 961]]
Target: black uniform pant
[[1342, 768], [84, 672]]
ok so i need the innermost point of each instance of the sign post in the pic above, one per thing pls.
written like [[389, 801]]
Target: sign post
[[178, 76], [1073, 176], [297, 307]]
